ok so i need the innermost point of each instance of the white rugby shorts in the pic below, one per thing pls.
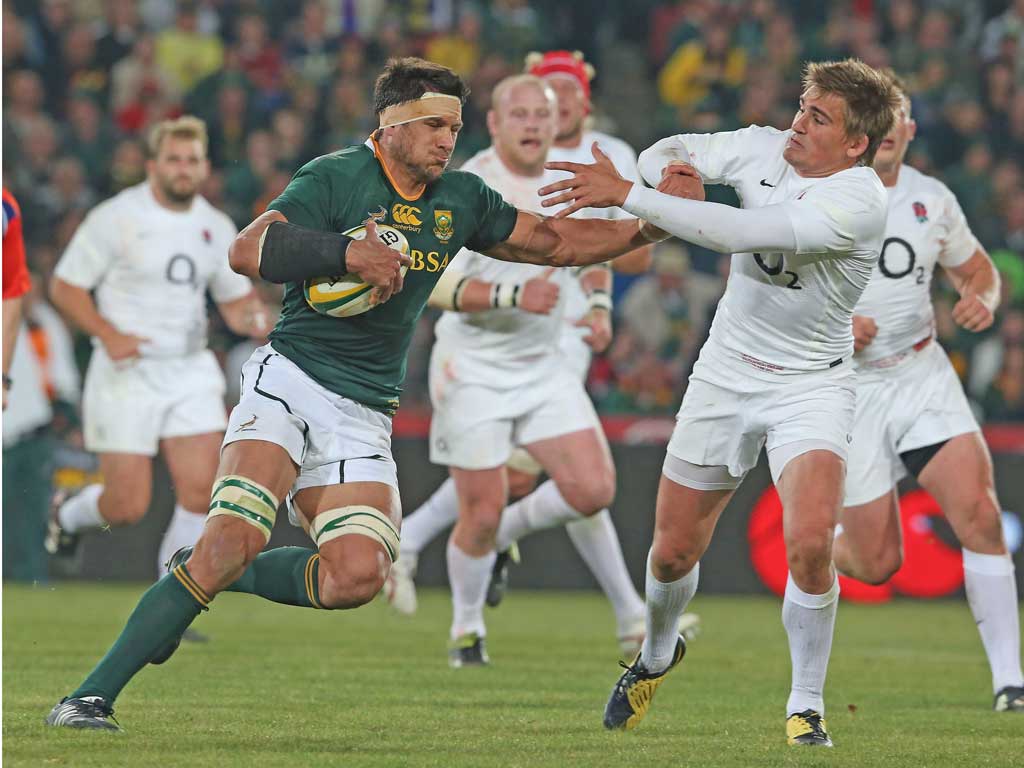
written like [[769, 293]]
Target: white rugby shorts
[[477, 426], [331, 438], [728, 415], [915, 403], [128, 406]]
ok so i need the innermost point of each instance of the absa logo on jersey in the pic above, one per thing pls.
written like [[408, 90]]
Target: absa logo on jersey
[[920, 212]]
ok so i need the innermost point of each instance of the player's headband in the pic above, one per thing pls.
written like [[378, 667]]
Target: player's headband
[[430, 104]]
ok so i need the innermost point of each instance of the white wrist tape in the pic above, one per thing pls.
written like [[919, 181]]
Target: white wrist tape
[[505, 295]]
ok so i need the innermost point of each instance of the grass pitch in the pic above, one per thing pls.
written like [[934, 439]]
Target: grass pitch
[[279, 686]]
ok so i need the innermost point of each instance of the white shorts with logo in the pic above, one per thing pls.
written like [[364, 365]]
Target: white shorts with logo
[[331, 438], [477, 427], [728, 414], [916, 402], [129, 406]]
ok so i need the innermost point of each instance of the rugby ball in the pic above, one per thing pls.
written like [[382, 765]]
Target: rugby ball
[[349, 295]]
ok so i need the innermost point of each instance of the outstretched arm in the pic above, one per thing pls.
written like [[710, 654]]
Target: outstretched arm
[[567, 242], [714, 226]]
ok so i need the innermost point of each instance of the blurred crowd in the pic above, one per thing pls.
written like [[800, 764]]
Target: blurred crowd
[[281, 81]]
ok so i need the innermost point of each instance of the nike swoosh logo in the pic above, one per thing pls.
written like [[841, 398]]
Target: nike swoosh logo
[[764, 183]]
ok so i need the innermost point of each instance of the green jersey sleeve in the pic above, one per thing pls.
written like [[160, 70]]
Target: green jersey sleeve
[[496, 218], [306, 201]]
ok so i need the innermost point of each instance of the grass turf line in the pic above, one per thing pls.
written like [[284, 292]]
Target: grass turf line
[[280, 686]]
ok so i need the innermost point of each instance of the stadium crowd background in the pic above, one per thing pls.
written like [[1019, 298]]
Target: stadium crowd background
[[280, 82]]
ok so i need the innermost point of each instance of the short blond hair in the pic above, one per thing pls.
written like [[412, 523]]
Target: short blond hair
[[512, 81], [184, 127], [870, 98]]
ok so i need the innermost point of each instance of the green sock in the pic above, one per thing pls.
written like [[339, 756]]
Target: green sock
[[161, 616], [288, 575]]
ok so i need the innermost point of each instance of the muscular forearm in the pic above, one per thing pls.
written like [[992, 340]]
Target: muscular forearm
[[984, 283], [12, 323], [579, 242], [77, 305], [244, 253], [717, 227]]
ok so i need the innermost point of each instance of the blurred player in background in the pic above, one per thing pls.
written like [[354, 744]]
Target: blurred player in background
[[16, 283], [776, 368], [912, 415], [586, 326], [135, 277]]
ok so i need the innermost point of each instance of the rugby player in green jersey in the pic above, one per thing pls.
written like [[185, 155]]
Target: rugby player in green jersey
[[313, 426]]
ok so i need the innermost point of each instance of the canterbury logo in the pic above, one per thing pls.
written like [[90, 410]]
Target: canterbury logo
[[406, 214]]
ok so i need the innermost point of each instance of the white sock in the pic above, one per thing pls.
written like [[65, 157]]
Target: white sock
[[666, 602], [809, 621], [185, 528], [542, 509], [82, 511], [468, 576], [992, 595], [438, 512], [597, 542]]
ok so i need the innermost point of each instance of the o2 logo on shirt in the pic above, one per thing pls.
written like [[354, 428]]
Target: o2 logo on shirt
[[889, 264], [778, 268], [181, 270]]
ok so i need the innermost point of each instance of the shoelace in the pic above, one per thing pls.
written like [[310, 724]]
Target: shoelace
[[633, 673], [99, 710]]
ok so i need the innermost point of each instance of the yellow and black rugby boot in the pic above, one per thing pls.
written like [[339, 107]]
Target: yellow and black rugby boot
[[631, 697], [807, 728], [1009, 699], [468, 650]]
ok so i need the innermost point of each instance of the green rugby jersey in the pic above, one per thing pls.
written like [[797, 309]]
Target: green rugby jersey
[[364, 357]]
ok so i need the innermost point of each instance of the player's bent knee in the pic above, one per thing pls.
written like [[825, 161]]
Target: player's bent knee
[[670, 561], [982, 528], [588, 496], [243, 499], [356, 578], [352, 583], [809, 553], [357, 520], [124, 507], [520, 484], [482, 515]]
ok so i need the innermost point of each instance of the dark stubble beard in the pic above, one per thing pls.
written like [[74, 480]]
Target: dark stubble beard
[[402, 153], [178, 198]]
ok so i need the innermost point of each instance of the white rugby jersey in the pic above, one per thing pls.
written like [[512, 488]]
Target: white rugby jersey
[[509, 337], [790, 312], [926, 227], [150, 268], [624, 159]]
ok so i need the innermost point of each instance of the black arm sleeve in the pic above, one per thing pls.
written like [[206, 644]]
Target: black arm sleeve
[[290, 253]]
